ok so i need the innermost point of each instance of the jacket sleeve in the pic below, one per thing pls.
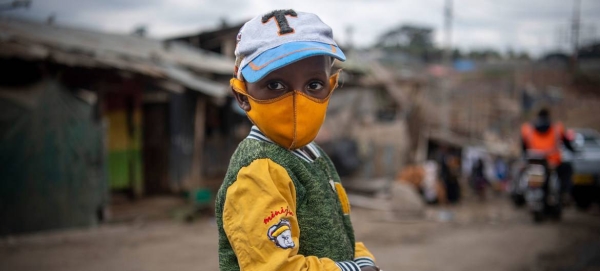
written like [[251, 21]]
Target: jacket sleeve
[[563, 137], [259, 219], [362, 256]]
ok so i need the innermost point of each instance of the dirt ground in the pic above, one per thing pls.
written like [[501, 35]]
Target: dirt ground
[[471, 236]]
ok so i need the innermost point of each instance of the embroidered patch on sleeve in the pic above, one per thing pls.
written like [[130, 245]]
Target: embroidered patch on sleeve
[[281, 234], [283, 211]]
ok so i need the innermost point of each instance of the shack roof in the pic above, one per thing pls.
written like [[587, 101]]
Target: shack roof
[[170, 60]]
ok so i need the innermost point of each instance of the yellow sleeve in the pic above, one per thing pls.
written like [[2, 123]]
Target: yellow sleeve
[[362, 256], [259, 219]]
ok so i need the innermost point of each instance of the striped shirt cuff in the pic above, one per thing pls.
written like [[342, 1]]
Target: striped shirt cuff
[[364, 261], [348, 266]]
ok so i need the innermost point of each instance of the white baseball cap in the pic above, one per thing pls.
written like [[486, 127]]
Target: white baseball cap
[[281, 37]]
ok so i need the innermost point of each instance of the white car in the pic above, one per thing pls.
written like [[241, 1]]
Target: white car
[[586, 167]]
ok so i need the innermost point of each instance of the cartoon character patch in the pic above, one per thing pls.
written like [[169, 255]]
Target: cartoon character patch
[[281, 211], [281, 234]]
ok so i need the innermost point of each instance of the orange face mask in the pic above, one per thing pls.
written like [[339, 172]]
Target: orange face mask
[[291, 120]]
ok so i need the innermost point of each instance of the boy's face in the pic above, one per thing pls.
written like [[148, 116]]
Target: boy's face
[[309, 75]]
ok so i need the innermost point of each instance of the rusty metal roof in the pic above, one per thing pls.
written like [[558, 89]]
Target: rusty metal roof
[[173, 61]]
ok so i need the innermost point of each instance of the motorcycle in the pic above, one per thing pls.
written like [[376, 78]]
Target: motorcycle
[[518, 184], [542, 194]]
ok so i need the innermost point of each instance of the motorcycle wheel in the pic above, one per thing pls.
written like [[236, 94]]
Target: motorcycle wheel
[[518, 200], [555, 213], [582, 197], [538, 216]]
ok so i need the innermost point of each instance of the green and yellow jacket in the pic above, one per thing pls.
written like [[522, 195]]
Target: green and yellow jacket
[[285, 210]]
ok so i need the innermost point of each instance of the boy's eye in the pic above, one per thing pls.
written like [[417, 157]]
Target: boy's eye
[[315, 86], [275, 86]]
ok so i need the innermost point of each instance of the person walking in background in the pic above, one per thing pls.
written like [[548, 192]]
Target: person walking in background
[[449, 173], [478, 179], [501, 171], [452, 175]]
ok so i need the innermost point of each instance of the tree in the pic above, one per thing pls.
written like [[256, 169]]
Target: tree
[[510, 53], [456, 54], [140, 31], [523, 56], [411, 39]]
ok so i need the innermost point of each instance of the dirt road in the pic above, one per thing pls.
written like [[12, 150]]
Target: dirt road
[[491, 236]]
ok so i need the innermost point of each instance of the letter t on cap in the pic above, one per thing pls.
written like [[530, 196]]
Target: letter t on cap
[[282, 23]]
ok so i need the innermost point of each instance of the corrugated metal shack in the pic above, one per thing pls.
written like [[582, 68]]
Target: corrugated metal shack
[[83, 112], [221, 40], [365, 132]]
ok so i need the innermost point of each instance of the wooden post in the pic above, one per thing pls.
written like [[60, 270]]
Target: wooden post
[[199, 124]]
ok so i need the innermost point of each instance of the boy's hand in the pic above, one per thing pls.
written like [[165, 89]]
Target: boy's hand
[[369, 268]]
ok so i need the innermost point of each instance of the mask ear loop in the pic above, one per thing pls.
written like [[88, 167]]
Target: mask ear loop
[[335, 84], [238, 86], [237, 73]]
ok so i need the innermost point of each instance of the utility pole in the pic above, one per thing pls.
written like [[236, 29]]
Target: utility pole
[[445, 84], [448, 32], [575, 25], [350, 38]]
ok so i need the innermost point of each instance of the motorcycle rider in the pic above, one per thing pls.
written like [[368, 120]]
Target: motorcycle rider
[[544, 137]]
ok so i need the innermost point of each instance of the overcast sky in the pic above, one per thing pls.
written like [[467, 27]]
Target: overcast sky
[[536, 26]]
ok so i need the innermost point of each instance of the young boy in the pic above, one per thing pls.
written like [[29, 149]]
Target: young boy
[[281, 205]]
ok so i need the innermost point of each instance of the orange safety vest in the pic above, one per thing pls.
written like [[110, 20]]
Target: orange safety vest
[[547, 143]]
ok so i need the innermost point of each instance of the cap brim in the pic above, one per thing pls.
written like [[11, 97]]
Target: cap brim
[[285, 54]]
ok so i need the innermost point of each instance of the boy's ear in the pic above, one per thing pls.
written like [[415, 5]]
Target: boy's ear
[[241, 100]]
